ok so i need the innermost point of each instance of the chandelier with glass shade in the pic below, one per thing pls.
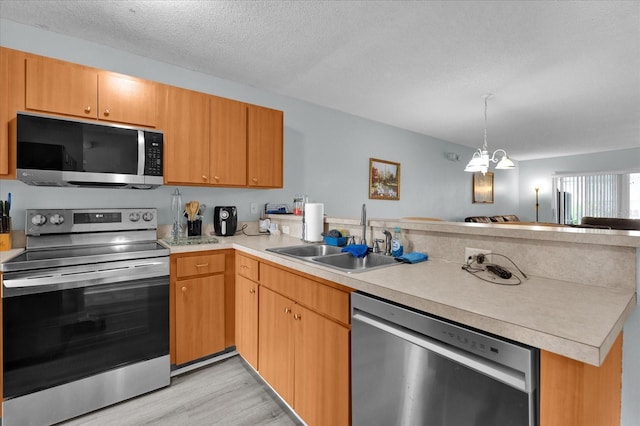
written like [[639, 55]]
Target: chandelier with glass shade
[[481, 160]]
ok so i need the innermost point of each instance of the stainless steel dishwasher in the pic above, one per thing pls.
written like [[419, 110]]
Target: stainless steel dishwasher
[[409, 368]]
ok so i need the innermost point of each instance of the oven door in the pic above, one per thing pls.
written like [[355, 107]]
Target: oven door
[[64, 324]]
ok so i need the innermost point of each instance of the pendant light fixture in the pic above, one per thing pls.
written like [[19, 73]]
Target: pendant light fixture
[[480, 160]]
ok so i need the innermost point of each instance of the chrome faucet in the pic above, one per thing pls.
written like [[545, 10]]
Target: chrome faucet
[[387, 242], [363, 223]]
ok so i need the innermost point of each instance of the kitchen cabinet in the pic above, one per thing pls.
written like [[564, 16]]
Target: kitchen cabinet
[[573, 393], [183, 116], [199, 298], [214, 141], [264, 147], [12, 86], [247, 309], [70, 89], [303, 344], [228, 142]]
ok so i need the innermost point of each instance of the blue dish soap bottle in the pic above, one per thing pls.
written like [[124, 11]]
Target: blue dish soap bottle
[[396, 243]]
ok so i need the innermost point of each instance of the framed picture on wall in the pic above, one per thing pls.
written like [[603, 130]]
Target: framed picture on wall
[[384, 179], [483, 187]]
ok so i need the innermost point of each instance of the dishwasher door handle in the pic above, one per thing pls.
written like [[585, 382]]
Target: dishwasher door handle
[[506, 375]]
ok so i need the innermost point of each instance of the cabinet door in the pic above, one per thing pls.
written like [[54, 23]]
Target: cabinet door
[[321, 369], [184, 119], [247, 320], [199, 317], [275, 342], [12, 76], [228, 137], [61, 87], [573, 393], [126, 99], [264, 147]]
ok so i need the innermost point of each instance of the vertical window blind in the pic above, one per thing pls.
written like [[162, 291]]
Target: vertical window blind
[[601, 195]]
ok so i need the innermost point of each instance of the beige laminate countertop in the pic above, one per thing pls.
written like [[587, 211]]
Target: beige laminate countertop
[[572, 319]]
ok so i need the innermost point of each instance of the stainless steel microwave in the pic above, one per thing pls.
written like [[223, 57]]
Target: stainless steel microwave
[[53, 151]]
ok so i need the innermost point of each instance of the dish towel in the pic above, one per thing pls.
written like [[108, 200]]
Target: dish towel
[[413, 257], [356, 250]]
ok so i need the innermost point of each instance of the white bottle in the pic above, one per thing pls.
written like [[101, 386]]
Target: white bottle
[[396, 243]]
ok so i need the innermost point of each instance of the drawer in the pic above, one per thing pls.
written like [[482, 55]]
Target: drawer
[[247, 267], [314, 295], [200, 265]]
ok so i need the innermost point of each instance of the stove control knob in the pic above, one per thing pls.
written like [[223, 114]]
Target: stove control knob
[[134, 217], [147, 216], [56, 219], [39, 220]]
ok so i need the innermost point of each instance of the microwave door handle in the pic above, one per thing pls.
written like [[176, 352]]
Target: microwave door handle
[[142, 155]]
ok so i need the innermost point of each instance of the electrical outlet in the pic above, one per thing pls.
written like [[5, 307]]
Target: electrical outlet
[[253, 207], [285, 229], [470, 252]]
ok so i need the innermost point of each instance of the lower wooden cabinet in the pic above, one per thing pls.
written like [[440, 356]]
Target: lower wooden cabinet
[[202, 308], [303, 353], [199, 318], [321, 369], [247, 320], [573, 393]]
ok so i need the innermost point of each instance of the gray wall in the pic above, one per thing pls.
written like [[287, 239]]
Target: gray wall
[[539, 172], [327, 157]]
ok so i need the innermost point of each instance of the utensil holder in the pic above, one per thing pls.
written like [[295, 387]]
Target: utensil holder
[[194, 227], [5, 233]]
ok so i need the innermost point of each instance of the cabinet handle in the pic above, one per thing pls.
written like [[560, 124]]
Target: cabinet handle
[[217, 178], [297, 317], [252, 290], [244, 267], [184, 289], [204, 177], [87, 109], [202, 265], [255, 180], [106, 112], [287, 310]]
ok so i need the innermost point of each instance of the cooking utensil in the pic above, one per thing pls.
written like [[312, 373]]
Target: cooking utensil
[[192, 208]]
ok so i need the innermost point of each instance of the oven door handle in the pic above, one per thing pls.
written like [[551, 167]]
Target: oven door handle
[[60, 280], [511, 377]]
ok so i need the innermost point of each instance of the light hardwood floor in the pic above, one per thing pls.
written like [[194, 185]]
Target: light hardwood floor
[[225, 393]]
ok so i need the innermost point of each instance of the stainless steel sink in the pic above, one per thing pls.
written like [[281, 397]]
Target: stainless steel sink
[[348, 263], [307, 250], [333, 257]]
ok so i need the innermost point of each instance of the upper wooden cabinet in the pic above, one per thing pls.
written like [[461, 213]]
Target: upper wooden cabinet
[[214, 141], [12, 63], [265, 130], [183, 116], [228, 142], [70, 89]]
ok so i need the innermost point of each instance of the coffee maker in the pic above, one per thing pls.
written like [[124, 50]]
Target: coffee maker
[[225, 220]]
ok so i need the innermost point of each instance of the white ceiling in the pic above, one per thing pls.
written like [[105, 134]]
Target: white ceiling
[[565, 75]]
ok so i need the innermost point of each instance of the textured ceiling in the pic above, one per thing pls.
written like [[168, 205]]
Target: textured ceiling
[[565, 76]]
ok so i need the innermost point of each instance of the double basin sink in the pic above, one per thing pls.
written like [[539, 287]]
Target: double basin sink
[[333, 257]]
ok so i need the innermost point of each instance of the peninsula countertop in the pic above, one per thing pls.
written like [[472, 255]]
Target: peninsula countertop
[[572, 319]]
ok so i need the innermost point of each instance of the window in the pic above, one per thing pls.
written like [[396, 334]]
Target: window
[[611, 194]]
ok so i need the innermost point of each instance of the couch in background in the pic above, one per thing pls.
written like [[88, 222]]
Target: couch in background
[[492, 219], [610, 223]]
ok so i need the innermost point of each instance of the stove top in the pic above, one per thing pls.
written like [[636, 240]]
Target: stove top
[[64, 237]]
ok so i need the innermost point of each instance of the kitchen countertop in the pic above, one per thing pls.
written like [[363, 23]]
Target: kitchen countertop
[[9, 254], [571, 319]]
